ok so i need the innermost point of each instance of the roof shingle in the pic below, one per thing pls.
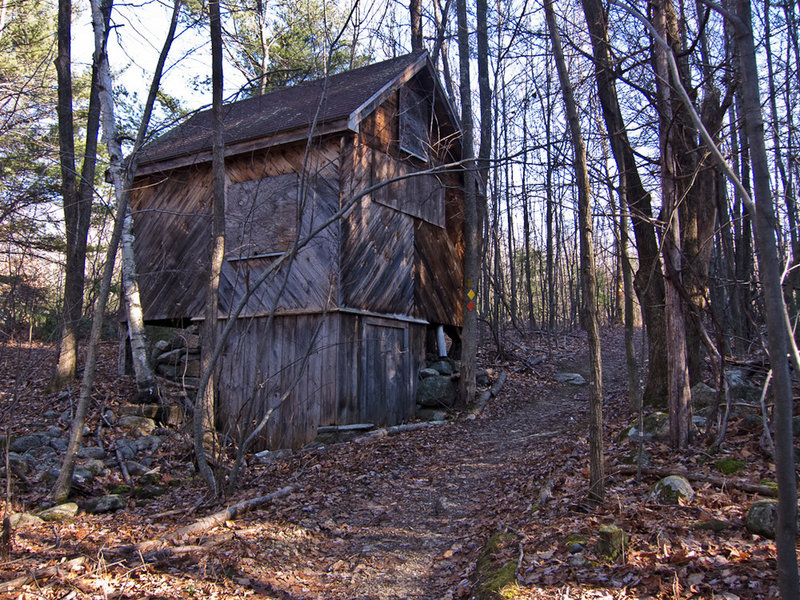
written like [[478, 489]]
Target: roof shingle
[[282, 110]]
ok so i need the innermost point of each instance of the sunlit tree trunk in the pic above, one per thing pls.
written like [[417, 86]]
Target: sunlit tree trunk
[[101, 10], [146, 389], [415, 8], [678, 371], [770, 271]]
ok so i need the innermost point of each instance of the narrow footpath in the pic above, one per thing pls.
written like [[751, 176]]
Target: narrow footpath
[[405, 516]]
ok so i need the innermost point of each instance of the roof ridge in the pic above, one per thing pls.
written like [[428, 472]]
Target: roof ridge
[[279, 110]]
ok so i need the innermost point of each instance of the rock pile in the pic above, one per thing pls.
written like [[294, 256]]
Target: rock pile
[[178, 359]]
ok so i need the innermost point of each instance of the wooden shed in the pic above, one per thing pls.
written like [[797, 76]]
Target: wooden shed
[[361, 296]]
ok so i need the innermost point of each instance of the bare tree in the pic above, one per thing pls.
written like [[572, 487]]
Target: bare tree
[[472, 224], [588, 284], [100, 14], [204, 403]]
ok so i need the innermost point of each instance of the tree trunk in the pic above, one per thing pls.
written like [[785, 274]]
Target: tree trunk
[[146, 388], [769, 268], [596, 476], [100, 16], [671, 192], [204, 403], [634, 391], [415, 8], [469, 333], [73, 281], [648, 281]]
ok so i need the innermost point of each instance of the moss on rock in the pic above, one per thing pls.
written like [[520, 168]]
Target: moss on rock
[[729, 466], [496, 579]]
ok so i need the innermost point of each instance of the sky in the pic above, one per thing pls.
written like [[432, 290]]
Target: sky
[[138, 33]]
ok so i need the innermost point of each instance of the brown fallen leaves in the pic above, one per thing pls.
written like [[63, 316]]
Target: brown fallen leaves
[[407, 516]]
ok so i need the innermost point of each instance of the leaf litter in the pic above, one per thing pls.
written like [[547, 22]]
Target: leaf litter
[[405, 516]]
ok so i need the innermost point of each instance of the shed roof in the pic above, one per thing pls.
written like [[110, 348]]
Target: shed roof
[[343, 99]]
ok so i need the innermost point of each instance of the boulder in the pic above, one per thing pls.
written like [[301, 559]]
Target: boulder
[[728, 466], [24, 443], [436, 392], [18, 461], [425, 373], [108, 503], [95, 466], [95, 452], [58, 444], [60, 512], [571, 378], [20, 520], [443, 367], [633, 458], [50, 415], [672, 490], [136, 469], [146, 492], [41, 453], [655, 426], [159, 348], [148, 443], [431, 414], [482, 378], [127, 448], [740, 387], [703, 395], [82, 476], [137, 425], [109, 418], [762, 517], [164, 414]]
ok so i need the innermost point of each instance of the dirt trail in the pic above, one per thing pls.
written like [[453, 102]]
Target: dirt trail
[[404, 517]]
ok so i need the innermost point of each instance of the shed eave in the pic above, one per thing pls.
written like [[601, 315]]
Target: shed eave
[[276, 139], [378, 98]]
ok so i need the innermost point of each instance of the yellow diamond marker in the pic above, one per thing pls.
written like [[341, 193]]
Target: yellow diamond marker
[[471, 295]]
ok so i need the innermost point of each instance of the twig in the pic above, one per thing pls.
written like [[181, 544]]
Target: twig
[[123, 467], [43, 572], [204, 524]]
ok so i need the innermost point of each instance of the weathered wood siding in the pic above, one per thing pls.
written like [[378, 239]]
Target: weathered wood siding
[[172, 232], [358, 369], [411, 228], [260, 364], [377, 369], [439, 261]]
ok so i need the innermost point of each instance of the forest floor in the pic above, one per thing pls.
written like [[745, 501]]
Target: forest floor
[[442, 512]]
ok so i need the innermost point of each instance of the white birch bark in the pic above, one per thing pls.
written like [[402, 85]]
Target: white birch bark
[[146, 388]]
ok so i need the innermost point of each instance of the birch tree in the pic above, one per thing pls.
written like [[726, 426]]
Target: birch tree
[[101, 10]]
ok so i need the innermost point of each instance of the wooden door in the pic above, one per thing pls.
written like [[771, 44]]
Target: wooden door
[[386, 382]]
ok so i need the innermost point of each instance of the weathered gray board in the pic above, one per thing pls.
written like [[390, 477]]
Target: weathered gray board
[[359, 369]]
